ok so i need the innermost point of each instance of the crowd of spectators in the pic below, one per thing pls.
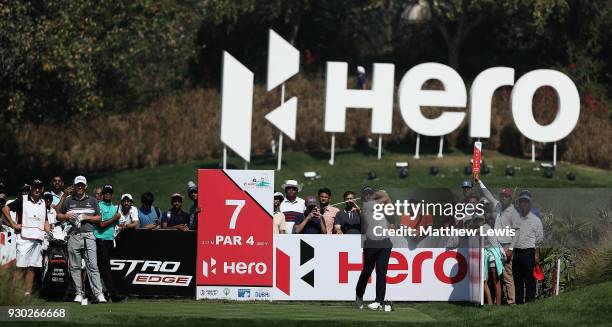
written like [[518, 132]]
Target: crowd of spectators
[[90, 225]]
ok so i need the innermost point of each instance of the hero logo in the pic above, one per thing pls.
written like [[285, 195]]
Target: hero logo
[[154, 266], [401, 266], [240, 268]]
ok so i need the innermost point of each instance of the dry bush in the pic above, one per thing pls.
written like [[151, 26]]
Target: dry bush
[[186, 127]]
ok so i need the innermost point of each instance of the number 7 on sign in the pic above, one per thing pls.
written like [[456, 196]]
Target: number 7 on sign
[[239, 204]]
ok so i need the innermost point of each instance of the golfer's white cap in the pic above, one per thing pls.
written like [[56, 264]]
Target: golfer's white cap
[[128, 196], [80, 179], [360, 70]]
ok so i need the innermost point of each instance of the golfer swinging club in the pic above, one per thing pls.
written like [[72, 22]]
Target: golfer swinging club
[[376, 250]]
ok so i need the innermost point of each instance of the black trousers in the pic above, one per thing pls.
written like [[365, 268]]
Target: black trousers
[[372, 257], [523, 263], [104, 248]]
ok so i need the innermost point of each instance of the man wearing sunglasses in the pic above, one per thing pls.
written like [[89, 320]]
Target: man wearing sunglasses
[[292, 206]]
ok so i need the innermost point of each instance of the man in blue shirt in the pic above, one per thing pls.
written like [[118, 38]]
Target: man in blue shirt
[[310, 221], [148, 215]]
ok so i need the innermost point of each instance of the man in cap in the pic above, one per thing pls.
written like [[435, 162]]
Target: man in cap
[[376, 250], [194, 210], [83, 212], [525, 250], [348, 221], [292, 205], [128, 213], [505, 217], [278, 218], [311, 221], [176, 218], [105, 236], [31, 225]]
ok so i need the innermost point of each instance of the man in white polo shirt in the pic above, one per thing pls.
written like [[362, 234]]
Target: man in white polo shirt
[[292, 205], [30, 227]]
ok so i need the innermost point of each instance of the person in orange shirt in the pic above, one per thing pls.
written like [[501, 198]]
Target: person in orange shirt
[[328, 212]]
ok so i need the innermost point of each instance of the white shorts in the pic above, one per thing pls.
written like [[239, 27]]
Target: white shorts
[[29, 252]]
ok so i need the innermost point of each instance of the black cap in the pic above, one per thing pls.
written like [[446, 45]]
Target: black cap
[[37, 182], [107, 188]]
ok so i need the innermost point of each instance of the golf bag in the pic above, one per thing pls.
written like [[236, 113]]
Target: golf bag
[[56, 276]]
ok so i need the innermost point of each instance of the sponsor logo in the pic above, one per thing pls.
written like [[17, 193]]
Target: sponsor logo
[[161, 280], [262, 294], [241, 268], [398, 272], [226, 291], [209, 267], [257, 182], [244, 293], [145, 265], [212, 292], [152, 272]]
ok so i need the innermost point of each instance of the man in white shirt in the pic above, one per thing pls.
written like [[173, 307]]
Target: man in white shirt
[[292, 205], [30, 227], [128, 213]]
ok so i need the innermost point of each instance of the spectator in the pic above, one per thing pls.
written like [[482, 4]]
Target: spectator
[[105, 236], [25, 189], [148, 215], [98, 193], [526, 250], [506, 217], [194, 211], [292, 205], [278, 218], [348, 221], [310, 221], [328, 212], [57, 186], [30, 228], [361, 78], [128, 213], [467, 188], [51, 213], [493, 260], [83, 212], [176, 218]]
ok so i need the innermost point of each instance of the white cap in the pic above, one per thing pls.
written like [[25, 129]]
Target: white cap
[[292, 183], [360, 70], [80, 179], [127, 195], [279, 194]]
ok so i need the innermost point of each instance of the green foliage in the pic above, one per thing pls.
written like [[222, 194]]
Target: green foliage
[[63, 57], [11, 293]]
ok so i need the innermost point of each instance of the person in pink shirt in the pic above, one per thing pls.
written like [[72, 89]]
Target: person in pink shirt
[[328, 212]]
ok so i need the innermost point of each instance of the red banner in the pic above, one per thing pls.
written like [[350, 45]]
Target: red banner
[[476, 159], [235, 241]]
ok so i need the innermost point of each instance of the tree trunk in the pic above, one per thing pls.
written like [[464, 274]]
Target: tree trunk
[[454, 50]]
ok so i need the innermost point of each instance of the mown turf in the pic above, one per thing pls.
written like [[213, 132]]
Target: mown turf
[[585, 306], [350, 171]]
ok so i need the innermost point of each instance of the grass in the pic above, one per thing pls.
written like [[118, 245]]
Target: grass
[[350, 171], [585, 306]]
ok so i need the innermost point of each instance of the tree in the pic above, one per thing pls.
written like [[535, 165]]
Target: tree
[[456, 19], [59, 57]]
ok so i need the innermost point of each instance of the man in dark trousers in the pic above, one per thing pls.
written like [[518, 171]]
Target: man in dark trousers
[[376, 250], [525, 250]]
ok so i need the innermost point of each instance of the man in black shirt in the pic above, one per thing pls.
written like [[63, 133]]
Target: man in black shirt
[[348, 221]]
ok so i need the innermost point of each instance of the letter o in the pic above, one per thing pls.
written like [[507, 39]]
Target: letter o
[[522, 109]]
